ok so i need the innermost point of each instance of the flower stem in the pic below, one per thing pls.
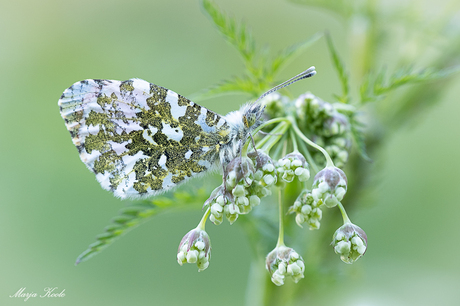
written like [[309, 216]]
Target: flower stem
[[329, 162], [294, 140], [281, 220], [266, 138], [344, 213], [308, 157], [269, 136], [275, 138], [275, 120], [202, 223]]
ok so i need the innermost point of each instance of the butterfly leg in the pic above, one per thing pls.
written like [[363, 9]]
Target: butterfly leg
[[224, 179]]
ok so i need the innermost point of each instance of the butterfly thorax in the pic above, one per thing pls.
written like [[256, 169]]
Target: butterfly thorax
[[242, 123]]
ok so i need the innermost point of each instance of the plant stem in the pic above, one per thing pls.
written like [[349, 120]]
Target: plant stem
[[294, 140], [308, 157], [256, 288], [267, 137], [281, 220], [275, 120], [275, 138], [202, 223], [344, 213], [329, 162]]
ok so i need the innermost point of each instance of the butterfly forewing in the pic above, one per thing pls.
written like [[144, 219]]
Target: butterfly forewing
[[140, 139]]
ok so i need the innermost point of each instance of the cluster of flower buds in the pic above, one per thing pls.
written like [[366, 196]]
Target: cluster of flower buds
[[249, 177], [195, 247], [275, 105], [350, 242], [291, 166], [282, 262], [329, 186], [307, 210], [247, 180], [327, 125]]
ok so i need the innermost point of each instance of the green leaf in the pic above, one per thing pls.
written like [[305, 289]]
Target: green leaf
[[238, 36], [342, 7], [260, 68], [291, 52], [357, 131], [134, 215], [340, 68], [234, 85], [376, 86]]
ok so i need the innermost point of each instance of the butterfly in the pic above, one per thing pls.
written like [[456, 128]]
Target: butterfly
[[141, 139]]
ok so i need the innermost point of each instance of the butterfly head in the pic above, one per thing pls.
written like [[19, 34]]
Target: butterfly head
[[252, 114]]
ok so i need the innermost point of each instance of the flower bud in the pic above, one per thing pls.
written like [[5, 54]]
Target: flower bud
[[195, 247], [231, 212], [329, 186], [292, 165], [239, 171], [275, 105], [350, 242], [282, 262], [307, 210]]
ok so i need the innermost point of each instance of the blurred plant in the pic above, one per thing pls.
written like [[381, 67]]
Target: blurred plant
[[301, 136]]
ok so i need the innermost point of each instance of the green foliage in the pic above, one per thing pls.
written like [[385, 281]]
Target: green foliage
[[137, 213], [236, 34], [341, 7], [261, 69], [357, 132], [340, 68], [376, 85]]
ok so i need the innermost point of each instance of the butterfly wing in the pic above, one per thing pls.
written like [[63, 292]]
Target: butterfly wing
[[140, 139]]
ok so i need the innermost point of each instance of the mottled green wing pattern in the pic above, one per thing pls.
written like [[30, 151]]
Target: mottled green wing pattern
[[140, 139]]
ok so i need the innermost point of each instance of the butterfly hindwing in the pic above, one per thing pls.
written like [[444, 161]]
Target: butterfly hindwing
[[140, 139]]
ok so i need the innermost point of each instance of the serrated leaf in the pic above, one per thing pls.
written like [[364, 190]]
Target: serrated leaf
[[238, 36], [340, 68], [136, 214], [376, 86], [357, 132], [291, 52], [234, 85]]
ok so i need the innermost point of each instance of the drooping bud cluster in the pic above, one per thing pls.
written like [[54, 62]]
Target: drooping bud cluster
[[195, 247], [350, 242], [329, 127], [239, 178], [307, 210], [329, 186], [291, 166], [247, 180], [282, 262]]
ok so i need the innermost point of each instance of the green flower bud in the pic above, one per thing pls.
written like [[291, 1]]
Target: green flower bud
[[292, 165], [329, 186], [307, 210], [275, 105], [231, 212], [195, 247], [282, 262], [254, 200], [350, 242], [239, 191]]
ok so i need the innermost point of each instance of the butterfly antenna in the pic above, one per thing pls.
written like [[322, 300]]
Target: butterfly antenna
[[303, 75]]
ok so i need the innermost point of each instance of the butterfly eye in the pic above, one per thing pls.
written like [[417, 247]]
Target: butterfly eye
[[249, 120]]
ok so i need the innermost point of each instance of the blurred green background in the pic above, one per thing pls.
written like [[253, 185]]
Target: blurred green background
[[52, 207]]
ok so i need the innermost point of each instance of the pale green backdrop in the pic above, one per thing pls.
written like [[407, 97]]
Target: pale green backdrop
[[52, 207]]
